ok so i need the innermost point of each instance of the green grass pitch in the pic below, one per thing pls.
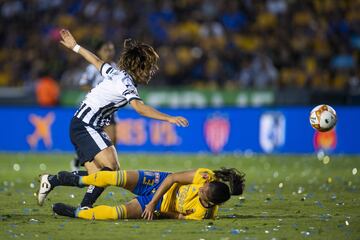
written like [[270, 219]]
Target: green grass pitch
[[286, 197]]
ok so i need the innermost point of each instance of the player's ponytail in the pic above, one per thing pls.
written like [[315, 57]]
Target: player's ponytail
[[130, 43], [234, 177], [139, 60]]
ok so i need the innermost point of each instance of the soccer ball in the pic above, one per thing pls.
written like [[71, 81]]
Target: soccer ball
[[323, 118]]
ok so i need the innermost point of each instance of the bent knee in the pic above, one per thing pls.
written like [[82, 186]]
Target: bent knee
[[108, 158], [110, 167]]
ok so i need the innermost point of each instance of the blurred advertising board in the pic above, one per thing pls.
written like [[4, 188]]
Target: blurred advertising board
[[211, 130], [189, 98]]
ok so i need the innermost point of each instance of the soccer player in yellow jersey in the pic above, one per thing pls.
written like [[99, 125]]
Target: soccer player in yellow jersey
[[193, 194]]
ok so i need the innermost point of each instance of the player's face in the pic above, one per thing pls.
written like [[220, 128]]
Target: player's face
[[107, 52], [204, 193], [154, 67], [150, 73]]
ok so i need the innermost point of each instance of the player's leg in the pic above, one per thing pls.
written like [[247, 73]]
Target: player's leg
[[90, 144], [96, 148], [111, 129], [111, 132], [105, 160], [138, 182], [92, 192], [92, 167], [142, 183], [130, 210], [122, 178]]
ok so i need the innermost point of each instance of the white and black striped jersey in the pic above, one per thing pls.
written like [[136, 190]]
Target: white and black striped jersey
[[115, 91], [92, 76]]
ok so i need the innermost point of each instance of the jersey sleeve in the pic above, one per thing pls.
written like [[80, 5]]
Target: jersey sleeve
[[203, 175], [123, 81], [129, 91], [106, 70]]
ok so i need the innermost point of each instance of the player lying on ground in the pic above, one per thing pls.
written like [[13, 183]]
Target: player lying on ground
[[193, 194]]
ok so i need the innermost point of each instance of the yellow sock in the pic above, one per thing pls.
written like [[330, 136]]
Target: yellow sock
[[103, 212], [105, 178]]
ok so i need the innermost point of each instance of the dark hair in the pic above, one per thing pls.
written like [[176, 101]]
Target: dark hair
[[139, 60], [99, 44], [234, 177], [219, 192]]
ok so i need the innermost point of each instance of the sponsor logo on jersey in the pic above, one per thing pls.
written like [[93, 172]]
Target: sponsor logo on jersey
[[104, 135]]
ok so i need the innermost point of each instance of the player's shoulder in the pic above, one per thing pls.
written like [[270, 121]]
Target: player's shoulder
[[204, 171], [127, 80], [203, 175], [112, 71]]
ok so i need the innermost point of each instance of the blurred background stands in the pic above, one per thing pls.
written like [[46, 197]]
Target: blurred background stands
[[303, 51]]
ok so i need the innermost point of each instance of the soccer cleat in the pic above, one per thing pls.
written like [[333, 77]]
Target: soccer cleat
[[44, 189], [64, 210]]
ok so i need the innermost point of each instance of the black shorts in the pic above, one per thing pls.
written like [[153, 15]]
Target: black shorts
[[87, 140]]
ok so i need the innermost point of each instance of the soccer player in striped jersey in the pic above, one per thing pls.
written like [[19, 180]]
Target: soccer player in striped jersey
[[137, 65], [90, 79], [194, 194]]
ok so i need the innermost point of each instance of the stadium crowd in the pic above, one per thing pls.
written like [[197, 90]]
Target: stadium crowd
[[311, 44]]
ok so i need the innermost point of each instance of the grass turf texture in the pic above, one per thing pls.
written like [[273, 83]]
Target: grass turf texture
[[286, 197]]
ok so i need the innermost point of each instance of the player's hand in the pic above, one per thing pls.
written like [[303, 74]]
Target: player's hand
[[179, 121], [67, 39], [181, 216], [148, 212]]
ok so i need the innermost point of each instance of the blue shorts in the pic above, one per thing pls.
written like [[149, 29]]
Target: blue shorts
[[148, 183]]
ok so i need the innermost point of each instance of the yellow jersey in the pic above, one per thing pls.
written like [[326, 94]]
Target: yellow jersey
[[184, 199]]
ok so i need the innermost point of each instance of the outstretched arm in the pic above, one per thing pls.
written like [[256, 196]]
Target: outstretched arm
[[69, 41], [179, 177], [151, 112]]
